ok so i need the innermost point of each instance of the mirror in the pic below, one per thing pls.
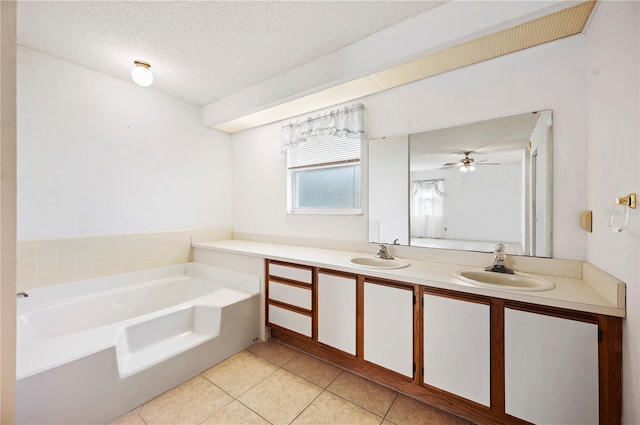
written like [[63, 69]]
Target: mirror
[[465, 188]]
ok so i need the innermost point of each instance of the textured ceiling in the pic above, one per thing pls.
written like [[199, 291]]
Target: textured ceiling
[[500, 140], [202, 51]]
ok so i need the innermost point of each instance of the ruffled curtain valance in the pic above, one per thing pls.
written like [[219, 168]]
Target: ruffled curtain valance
[[426, 185], [342, 122]]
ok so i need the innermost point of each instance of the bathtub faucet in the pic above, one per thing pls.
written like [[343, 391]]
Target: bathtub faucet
[[22, 295]]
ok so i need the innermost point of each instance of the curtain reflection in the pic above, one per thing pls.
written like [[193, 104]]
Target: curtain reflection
[[427, 208]]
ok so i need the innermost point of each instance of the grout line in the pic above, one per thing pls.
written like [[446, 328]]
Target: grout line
[[245, 391], [342, 371], [142, 418], [357, 404], [390, 406], [334, 379], [213, 413], [308, 405], [265, 419]]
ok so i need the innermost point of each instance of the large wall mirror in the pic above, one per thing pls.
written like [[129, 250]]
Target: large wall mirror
[[465, 188]]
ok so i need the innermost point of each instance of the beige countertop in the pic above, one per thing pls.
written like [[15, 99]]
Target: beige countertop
[[600, 294]]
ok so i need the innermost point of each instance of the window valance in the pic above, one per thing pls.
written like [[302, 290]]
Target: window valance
[[426, 185], [343, 122]]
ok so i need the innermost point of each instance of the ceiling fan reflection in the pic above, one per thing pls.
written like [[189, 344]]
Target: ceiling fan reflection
[[467, 164]]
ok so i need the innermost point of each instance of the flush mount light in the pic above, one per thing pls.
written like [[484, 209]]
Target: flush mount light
[[141, 73]]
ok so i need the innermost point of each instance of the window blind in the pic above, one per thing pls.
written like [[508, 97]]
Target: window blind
[[324, 150]]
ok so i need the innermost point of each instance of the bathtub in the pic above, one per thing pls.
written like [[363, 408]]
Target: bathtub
[[89, 352]]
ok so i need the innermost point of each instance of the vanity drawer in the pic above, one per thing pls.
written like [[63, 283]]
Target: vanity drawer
[[290, 294], [299, 274], [291, 320]]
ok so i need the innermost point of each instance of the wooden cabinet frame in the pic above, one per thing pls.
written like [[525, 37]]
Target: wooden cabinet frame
[[609, 352], [296, 309]]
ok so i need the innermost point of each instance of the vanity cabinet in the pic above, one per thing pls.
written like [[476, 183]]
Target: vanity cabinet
[[551, 368], [289, 294], [488, 359], [388, 322], [457, 345], [337, 311]]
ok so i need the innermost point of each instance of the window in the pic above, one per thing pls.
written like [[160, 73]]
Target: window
[[427, 209], [323, 166], [324, 176]]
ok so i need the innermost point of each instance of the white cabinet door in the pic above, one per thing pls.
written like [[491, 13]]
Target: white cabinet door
[[551, 369], [388, 327], [457, 347], [337, 312]]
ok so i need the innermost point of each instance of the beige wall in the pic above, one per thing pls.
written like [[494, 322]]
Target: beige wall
[[7, 211]]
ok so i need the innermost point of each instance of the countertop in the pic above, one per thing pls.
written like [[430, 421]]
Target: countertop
[[575, 294]]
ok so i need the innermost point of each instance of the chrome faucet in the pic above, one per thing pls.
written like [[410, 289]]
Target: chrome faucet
[[498, 261], [383, 253]]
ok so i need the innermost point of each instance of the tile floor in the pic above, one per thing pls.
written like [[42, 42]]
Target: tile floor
[[270, 383]]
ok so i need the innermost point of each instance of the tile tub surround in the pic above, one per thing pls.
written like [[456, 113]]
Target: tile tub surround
[[49, 262], [597, 292], [289, 387]]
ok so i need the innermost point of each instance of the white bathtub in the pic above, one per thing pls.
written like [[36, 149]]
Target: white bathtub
[[89, 352]]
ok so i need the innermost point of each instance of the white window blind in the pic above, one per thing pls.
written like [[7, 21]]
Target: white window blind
[[324, 150], [323, 162]]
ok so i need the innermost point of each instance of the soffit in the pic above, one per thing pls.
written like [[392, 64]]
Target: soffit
[[554, 26]]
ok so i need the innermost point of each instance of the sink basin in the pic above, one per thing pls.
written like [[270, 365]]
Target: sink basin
[[379, 263], [513, 282]]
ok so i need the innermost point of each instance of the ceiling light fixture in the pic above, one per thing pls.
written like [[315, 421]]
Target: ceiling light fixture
[[141, 73], [467, 168], [467, 165]]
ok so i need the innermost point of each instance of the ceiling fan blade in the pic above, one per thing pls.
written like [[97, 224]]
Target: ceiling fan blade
[[450, 165], [487, 163]]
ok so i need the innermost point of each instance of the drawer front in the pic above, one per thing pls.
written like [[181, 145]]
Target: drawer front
[[290, 320], [293, 273], [294, 295]]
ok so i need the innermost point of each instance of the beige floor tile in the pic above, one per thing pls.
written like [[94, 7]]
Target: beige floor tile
[[235, 413], [363, 392], [190, 403], [280, 397], [239, 373], [129, 419], [313, 369], [273, 351], [407, 411], [329, 409]]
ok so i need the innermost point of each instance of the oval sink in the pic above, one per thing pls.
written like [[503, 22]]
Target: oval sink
[[514, 282], [379, 263]]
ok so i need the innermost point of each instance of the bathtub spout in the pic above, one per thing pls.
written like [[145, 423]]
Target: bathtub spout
[[22, 295]]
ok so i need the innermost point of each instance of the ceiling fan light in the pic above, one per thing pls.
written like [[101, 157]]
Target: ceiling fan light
[[141, 73], [471, 167], [463, 169]]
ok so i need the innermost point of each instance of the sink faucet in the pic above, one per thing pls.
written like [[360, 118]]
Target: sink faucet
[[383, 253], [498, 261]]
